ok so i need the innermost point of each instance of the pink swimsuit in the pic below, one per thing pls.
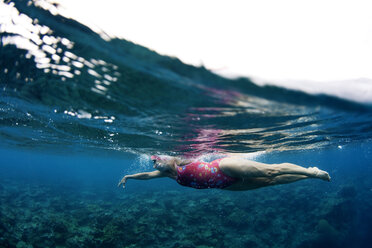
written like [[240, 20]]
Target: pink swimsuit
[[202, 175]]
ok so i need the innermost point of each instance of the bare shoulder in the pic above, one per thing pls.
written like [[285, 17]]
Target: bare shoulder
[[180, 161]]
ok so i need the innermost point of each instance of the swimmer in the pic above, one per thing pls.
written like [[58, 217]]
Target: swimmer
[[229, 173]]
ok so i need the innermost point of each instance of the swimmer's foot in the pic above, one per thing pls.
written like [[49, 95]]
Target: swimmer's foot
[[321, 174]]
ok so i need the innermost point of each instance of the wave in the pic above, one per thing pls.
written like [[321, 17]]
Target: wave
[[65, 86]]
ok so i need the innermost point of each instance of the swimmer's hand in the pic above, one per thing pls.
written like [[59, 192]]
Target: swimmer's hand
[[123, 181], [142, 176]]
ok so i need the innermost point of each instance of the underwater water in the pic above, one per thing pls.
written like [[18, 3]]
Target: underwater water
[[78, 110]]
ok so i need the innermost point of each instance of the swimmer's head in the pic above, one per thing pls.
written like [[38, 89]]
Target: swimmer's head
[[163, 163]]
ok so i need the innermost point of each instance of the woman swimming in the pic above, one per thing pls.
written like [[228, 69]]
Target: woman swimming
[[229, 173]]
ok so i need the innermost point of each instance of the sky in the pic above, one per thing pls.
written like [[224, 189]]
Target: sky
[[267, 39]]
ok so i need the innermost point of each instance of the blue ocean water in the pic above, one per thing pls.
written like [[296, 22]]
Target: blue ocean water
[[78, 110]]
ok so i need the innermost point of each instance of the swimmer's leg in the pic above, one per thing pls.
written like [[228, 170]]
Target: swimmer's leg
[[292, 169], [259, 182], [283, 179], [313, 172], [243, 168]]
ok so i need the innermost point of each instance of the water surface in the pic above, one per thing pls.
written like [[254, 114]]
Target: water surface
[[79, 109]]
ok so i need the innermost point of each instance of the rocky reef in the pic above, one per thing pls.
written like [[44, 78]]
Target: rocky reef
[[311, 214]]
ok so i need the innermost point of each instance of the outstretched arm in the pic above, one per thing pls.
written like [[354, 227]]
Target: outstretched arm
[[141, 176]]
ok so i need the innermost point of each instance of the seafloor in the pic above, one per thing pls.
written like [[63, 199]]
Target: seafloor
[[309, 214]]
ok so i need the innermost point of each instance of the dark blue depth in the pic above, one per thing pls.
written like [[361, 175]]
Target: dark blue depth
[[72, 201]]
